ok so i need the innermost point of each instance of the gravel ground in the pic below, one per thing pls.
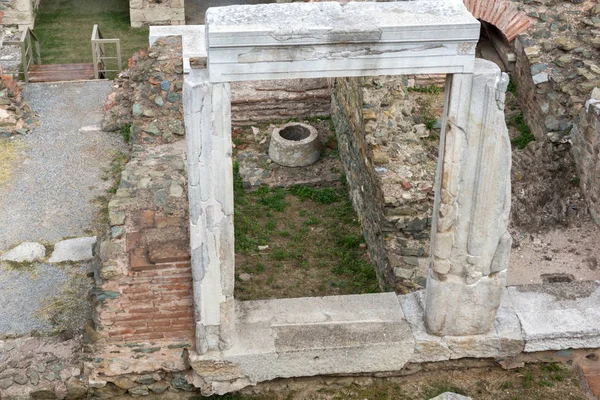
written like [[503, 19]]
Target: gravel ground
[[572, 252], [21, 295], [25, 291], [58, 172]]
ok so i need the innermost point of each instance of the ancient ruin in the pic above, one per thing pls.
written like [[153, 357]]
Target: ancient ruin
[[306, 195]]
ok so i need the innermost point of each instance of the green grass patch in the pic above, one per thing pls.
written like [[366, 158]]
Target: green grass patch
[[314, 239], [430, 89], [512, 87], [126, 133], [525, 136], [64, 28]]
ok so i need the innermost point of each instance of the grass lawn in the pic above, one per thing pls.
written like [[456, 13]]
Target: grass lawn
[[64, 28], [315, 244]]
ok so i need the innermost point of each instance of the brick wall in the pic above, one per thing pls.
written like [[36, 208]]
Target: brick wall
[[144, 278], [153, 304]]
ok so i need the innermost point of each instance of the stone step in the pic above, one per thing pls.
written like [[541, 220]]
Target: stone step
[[314, 336]]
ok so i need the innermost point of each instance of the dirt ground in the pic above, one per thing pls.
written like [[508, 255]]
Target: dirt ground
[[565, 254], [533, 382]]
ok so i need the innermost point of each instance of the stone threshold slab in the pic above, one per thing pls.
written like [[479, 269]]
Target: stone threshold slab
[[558, 316], [315, 336]]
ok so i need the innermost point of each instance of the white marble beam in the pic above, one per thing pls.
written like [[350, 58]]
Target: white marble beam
[[308, 40], [207, 112], [470, 242]]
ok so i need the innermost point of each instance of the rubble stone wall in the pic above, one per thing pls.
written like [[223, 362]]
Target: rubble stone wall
[[365, 193], [156, 12], [557, 68], [18, 12], [144, 284], [390, 161]]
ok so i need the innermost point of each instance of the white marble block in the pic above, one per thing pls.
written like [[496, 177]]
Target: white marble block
[[207, 116], [307, 40], [470, 243]]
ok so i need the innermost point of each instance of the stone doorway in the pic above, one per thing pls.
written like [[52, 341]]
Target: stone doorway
[[263, 340]]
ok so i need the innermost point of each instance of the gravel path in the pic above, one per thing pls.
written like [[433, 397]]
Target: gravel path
[[21, 295], [58, 172]]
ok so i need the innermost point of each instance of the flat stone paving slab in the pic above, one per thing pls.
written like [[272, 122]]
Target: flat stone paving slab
[[25, 252], [58, 172], [558, 316]]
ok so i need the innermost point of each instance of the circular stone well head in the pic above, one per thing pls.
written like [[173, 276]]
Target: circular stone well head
[[295, 145]]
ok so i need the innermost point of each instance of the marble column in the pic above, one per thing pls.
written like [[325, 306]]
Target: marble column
[[470, 241], [207, 113]]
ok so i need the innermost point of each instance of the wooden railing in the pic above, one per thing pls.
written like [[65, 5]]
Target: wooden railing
[[30, 50], [99, 54]]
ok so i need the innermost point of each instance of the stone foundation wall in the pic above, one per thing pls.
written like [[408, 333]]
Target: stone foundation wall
[[265, 101], [144, 279], [389, 161], [156, 12], [18, 12], [555, 72], [365, 193], [586, 150]]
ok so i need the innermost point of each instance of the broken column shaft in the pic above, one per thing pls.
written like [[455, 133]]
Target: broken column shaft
[[470, 241]]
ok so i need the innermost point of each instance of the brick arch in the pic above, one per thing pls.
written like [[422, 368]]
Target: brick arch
[[503, 14]]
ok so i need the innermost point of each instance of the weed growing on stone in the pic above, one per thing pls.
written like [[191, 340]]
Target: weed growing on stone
[[116, 167], [512, 87], [525, 136], [430, 89], [426, 112], [126, 133], [477, 383], [23, 266]]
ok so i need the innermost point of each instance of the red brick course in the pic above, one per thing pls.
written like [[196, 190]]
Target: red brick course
[[591, 374], [503, 14], [153, 304]]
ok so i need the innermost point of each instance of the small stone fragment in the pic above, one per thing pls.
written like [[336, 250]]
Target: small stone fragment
[[25, 252], [245, 277], [78, 249]]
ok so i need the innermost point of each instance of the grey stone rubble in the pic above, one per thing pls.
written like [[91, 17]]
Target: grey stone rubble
[[28, 252], [41, 368], [78, 249]]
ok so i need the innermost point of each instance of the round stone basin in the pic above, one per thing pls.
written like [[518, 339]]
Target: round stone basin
[[295, 145]]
